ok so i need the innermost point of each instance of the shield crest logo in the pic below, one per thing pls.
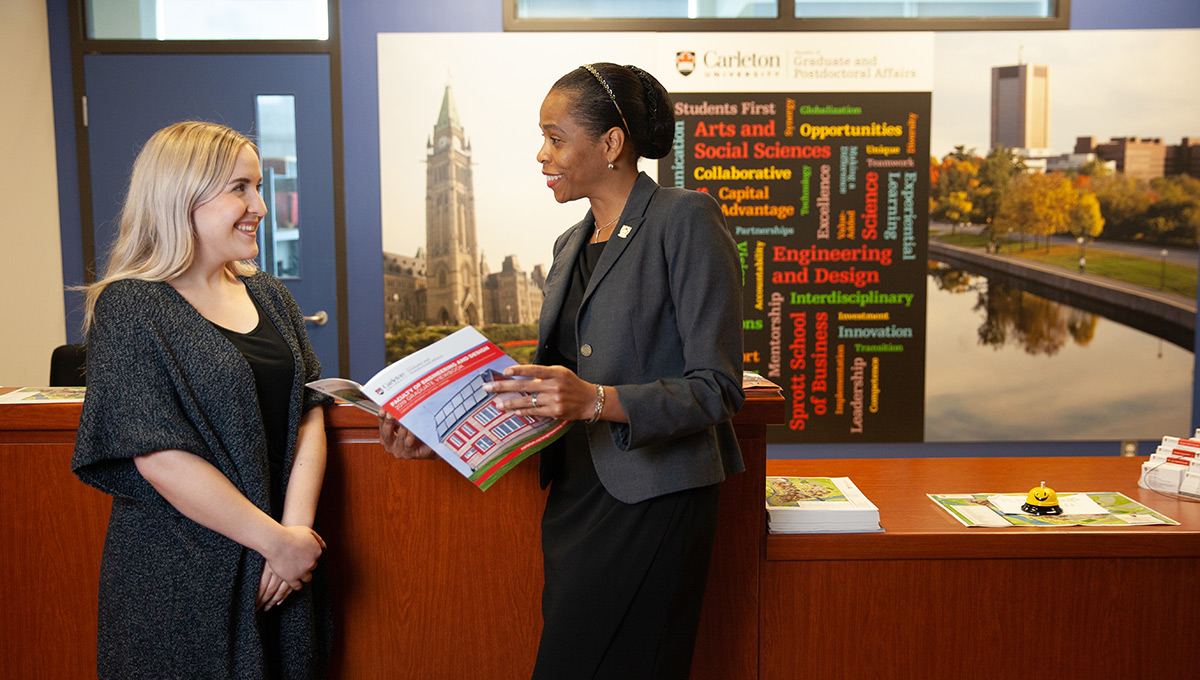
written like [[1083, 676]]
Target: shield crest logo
[[685, 62]]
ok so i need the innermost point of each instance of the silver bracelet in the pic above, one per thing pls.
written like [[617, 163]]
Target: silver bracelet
[[599, 405]]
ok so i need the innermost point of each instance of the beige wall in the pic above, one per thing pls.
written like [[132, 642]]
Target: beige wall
[[31, 301]]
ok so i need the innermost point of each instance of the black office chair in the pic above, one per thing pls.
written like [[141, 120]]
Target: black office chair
[[68, 366]]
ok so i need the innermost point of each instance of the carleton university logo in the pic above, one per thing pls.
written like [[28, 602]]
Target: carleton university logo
[[685, 62]]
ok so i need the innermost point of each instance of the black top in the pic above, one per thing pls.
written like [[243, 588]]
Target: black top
[[271, 362], [564, 346]]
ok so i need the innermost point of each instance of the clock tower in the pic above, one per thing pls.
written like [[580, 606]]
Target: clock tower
[[454, 294]]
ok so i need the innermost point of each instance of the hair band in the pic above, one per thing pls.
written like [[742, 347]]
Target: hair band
[[611, 96]]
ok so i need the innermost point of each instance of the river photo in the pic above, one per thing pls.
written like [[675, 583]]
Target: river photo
[[1003, 364]]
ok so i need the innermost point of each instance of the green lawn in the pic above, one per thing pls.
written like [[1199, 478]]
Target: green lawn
[[1140, 271]]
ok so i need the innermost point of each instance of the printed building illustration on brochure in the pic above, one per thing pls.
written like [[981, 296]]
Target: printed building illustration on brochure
[[471, 424]]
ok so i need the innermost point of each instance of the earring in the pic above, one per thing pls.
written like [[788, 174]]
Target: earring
[[610, 166]]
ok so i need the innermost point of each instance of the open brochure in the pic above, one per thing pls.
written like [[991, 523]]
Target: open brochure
[[437, 393], [43, 395], [1108, 508]]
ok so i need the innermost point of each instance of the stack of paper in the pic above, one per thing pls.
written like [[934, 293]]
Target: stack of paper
[[798, 505], [752, 382], [1174, 468]]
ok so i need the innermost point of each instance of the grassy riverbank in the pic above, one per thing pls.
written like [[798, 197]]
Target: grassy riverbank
[[1140, 271]]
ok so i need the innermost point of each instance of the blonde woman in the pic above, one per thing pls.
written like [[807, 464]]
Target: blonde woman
[[197, 422]]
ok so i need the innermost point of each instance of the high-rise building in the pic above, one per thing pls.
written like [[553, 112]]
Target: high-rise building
[[1021, 107], [453, 294]]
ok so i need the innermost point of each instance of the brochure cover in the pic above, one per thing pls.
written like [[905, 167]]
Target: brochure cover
[[437, 393], [818, 504]]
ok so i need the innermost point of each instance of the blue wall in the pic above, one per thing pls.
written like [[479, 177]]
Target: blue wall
[[1097, 14], [69, 217], [361, 22]]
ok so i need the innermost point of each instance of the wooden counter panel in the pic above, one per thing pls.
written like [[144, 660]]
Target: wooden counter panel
[[446, 579], [904, 619], [39, 423], [52, 530], [433, 578], [994, 544], [727, 644]]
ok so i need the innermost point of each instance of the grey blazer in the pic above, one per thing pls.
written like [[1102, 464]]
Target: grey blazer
[[661, 321]]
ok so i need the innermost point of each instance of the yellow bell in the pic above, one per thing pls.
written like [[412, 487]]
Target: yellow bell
[[1042, 501]]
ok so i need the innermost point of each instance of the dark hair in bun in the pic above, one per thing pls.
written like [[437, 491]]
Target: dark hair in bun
[[607, 96]]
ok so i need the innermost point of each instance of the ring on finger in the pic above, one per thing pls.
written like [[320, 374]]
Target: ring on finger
[[534, 399]]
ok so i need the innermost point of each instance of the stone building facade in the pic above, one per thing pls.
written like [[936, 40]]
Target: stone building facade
[[448, 283]]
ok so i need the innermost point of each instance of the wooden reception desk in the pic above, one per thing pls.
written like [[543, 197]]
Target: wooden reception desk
[[435, 579], [930, 598]]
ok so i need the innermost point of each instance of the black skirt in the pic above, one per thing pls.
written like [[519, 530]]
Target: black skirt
[[624, 583]]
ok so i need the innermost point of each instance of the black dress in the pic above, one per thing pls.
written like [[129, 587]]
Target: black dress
[[624, 582], [271, 363]]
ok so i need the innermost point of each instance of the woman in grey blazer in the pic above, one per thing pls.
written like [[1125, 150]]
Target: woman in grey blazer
[[640, 341]]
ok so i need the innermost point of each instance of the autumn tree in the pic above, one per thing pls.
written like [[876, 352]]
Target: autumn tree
[[996, 173], [1036, 205], [1085, 217], [1124, 202], [952, 182], [1173, 216], [954, 208], [1095, 168]]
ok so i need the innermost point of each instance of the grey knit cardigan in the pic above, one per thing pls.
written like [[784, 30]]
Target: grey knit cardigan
[[177, 599]]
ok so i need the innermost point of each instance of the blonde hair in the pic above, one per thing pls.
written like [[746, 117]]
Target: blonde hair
[[181, 167]]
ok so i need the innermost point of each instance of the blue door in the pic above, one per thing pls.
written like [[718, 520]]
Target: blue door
[[130, 96]]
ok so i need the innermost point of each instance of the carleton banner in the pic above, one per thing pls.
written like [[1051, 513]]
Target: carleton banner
[[825, 194], [825, 188], [816, 146]]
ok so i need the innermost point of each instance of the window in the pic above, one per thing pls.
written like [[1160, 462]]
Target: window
[[784, 15], [508, 426], [280, 241], [487, 414], [924, 9], [663, 9], [207, 19]]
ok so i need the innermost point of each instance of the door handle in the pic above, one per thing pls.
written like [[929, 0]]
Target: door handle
[[320, 318]]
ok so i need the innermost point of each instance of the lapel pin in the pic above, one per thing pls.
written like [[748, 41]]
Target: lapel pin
[[624, 231]]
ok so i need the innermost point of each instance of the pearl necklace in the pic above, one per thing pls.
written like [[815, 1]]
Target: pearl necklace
[[596, 236]]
